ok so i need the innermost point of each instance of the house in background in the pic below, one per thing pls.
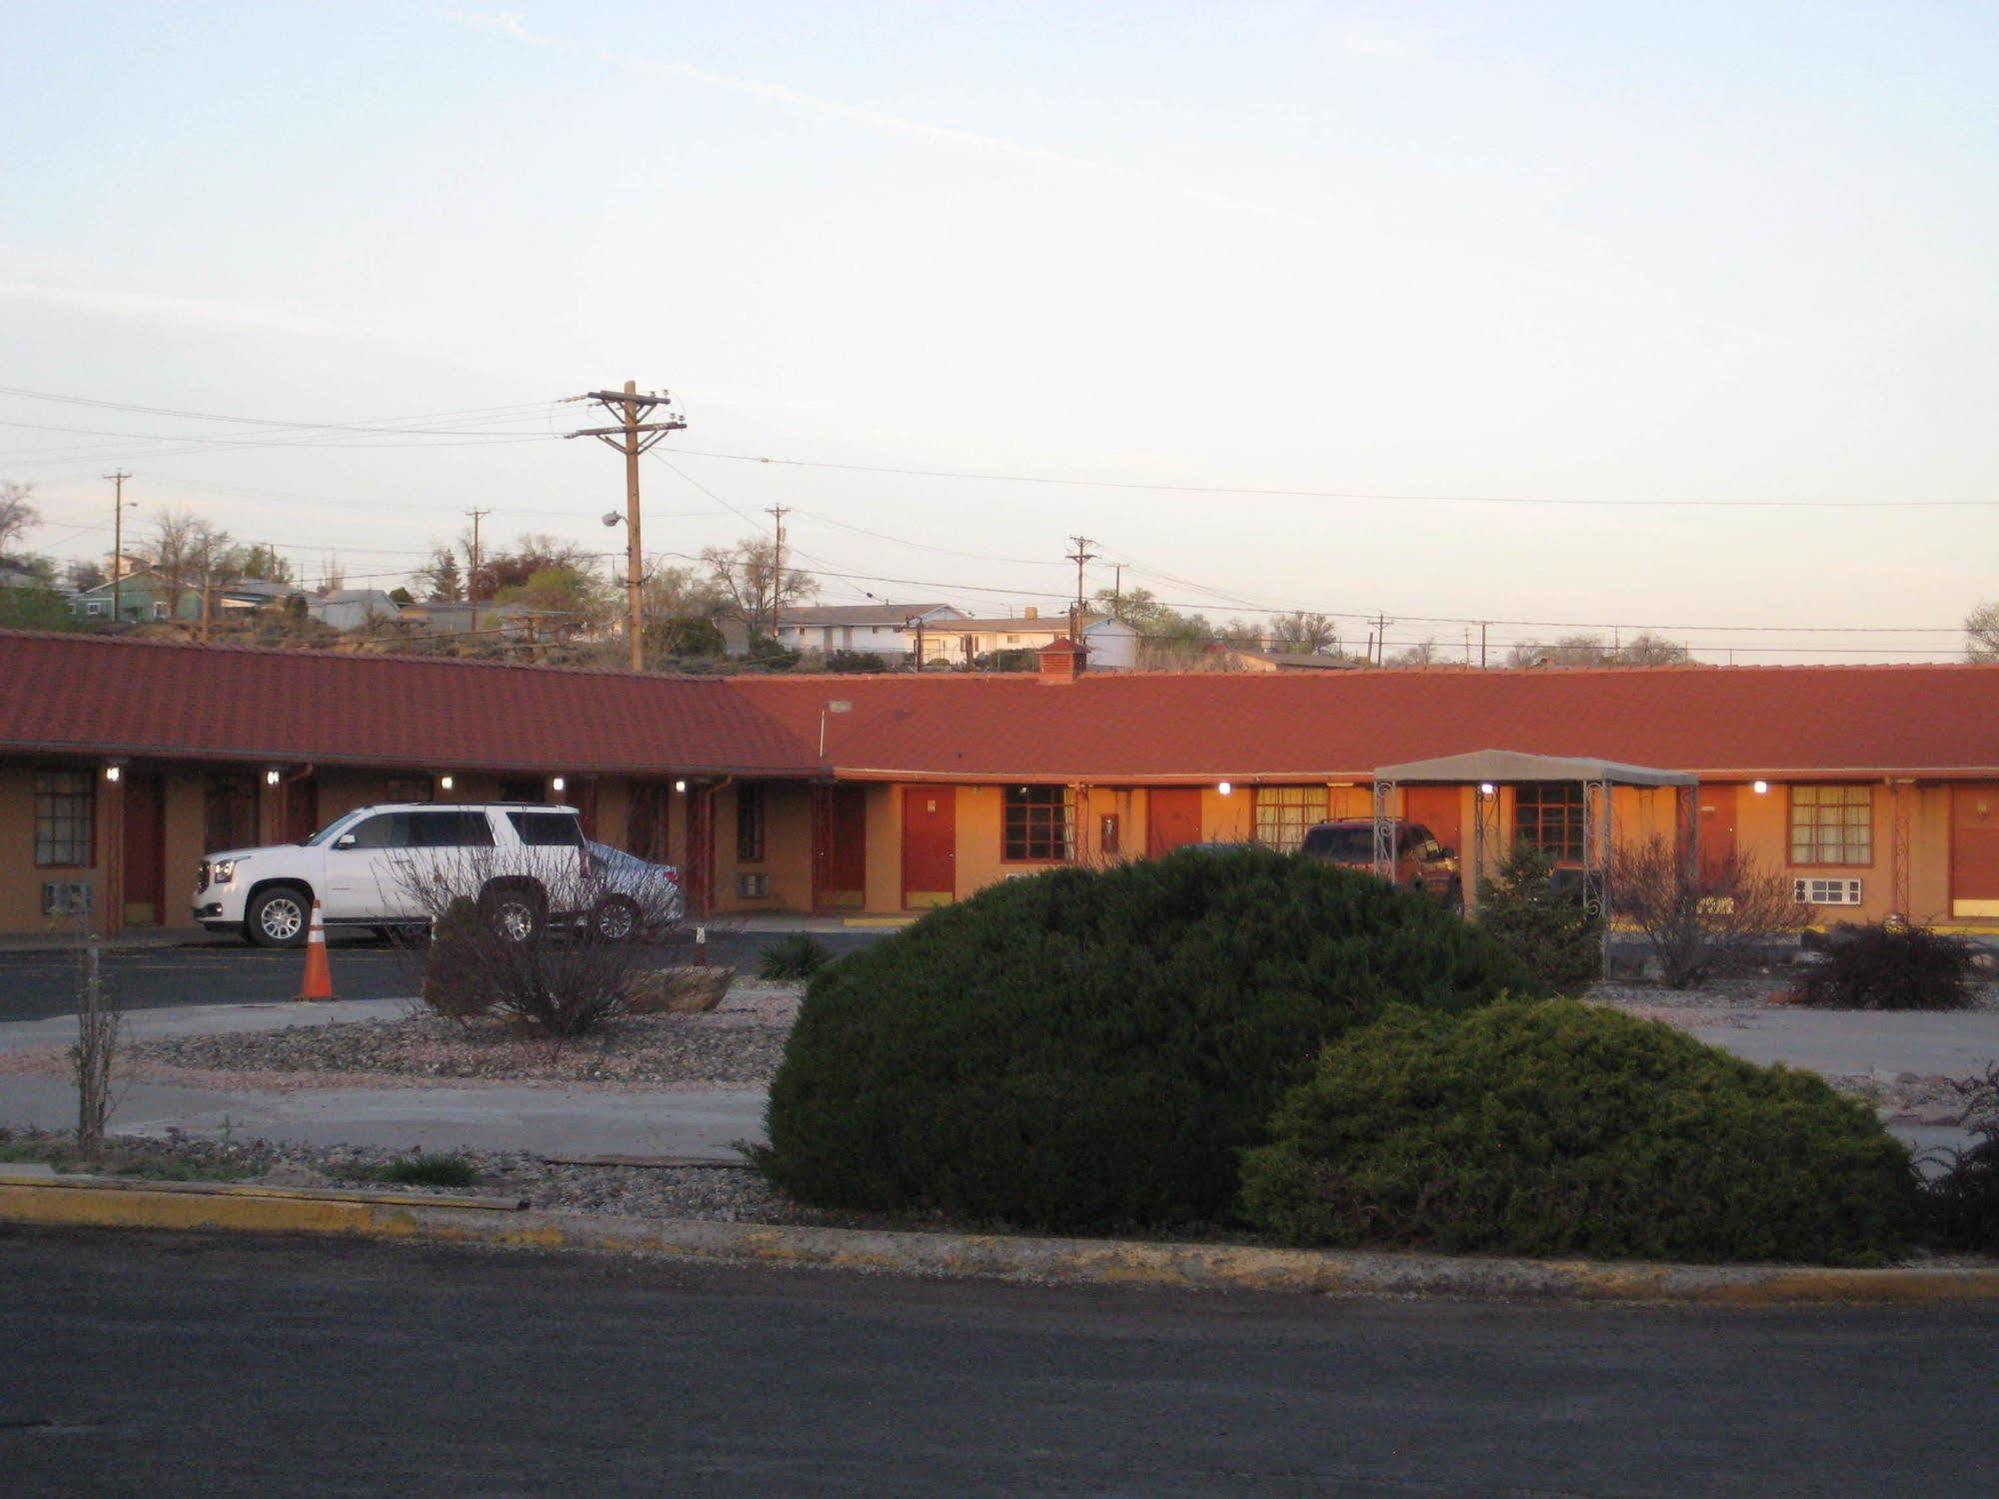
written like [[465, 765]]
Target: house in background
[[141, 597], [352, 608], [875, 628], [960, 642]]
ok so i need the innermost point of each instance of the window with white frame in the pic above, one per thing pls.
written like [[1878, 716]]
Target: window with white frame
[[1832, 824], [1284, 812]]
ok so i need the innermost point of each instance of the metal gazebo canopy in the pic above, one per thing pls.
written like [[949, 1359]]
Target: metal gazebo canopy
[[1494, 768]]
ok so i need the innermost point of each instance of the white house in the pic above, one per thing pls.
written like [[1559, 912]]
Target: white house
[[876, 628], [960, 642]]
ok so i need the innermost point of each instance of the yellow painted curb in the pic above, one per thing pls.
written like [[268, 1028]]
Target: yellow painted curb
[[878, 920], [1183, 1267]]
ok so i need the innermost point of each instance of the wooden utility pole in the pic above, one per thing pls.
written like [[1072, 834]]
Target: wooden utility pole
[[915, 622], [1081, 555], [631, 437], [472, 577], [1481, 645], [117, 539], [778, 513]]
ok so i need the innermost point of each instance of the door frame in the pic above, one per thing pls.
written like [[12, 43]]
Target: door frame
[[156, 852]]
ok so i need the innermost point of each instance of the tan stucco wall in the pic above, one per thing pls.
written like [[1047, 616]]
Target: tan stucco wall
[[787, 856]]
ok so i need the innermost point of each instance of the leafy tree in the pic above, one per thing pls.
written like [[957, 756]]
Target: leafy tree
[[35, 609], [1642, 649], [18, 515], [559, 589], [1981, 633], [531, 553], [257, 563], [402, 596], [440, 579], [84, 574], [1308, 634]]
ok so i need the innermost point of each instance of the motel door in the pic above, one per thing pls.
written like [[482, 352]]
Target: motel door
[[145, 849], [1437, 808], [1717, 813], [1974, 850], [1172, 819], [929, 846], [840, 835]]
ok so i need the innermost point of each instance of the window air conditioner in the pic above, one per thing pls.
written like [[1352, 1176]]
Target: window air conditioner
[[1810, 892], [752, 886]]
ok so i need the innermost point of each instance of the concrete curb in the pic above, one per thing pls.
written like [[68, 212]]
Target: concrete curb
[[101, 1203]]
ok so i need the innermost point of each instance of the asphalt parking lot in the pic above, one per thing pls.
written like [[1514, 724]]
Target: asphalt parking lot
[[35, 985]]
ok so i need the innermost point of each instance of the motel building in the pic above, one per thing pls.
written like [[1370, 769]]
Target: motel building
[[1874, 789]]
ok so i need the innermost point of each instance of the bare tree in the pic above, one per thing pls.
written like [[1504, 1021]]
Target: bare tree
[[1981, 633], [84, 574], [1648, 649], [97, 1031], [746, 575], [1701, 925], [18, 515], [1422, 653]]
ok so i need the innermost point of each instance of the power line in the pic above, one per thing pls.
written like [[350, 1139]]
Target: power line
[[1071, 482], [374, 424]]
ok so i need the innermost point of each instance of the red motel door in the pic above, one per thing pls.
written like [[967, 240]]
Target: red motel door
[[840, 830], [1436, 808], [1974, 849], [1172, 819], [929, 845], [145, 848], [1717, 813]]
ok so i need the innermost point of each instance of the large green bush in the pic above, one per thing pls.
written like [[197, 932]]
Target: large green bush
[[1564, 1128], [1085, 1050]]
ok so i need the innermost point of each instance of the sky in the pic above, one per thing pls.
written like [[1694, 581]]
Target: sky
[[1419, 310]]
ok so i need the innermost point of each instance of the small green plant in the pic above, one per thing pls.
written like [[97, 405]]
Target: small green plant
[[421, 1170], [1086, 1050], [1545, 927], [1887, 968], [1559, 1128], [792, 958]]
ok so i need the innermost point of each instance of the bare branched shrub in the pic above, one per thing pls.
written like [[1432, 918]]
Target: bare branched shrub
[[97, 1027], [515, 939], [1701, 925]]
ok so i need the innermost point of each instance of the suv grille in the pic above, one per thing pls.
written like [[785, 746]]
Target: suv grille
[[201, 876]]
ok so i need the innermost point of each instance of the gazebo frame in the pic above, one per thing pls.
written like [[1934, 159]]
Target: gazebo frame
[[1495, 768]]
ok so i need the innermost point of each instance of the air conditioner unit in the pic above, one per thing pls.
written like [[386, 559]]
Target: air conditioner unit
[[752, 886], [1810, 892], [66, 897]]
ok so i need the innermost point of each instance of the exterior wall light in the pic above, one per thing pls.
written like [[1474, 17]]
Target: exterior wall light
[[113, 772], [558, 785], [680, 786], [272, 777], [1225, 788], [1486, 788], [1761, 788], [445, 783]]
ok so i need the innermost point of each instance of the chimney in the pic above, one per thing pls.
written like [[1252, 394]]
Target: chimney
[[1062, 662], [1032, 611]]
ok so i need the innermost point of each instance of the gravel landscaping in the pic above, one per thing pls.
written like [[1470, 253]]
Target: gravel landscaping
[[738, 1045]]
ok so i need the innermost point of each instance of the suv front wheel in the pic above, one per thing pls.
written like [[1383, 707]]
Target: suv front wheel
[[515, 912], [278, 917]]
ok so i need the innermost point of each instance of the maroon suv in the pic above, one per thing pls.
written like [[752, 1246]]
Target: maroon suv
[[1421, 863]]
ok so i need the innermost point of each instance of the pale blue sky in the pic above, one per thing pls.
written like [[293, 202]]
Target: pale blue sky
[[1717, 252]]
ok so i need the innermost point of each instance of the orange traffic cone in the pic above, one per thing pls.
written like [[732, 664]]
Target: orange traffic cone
[[318, 977]]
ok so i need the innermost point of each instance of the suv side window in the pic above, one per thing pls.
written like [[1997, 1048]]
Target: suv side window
[[450, 830], [548, 829], [385, 830]]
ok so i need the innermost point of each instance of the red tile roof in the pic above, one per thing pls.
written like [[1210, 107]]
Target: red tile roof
[[1340, 725], [95, 695], [105, 696]]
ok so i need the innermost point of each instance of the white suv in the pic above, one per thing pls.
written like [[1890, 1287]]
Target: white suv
[[370, 868]]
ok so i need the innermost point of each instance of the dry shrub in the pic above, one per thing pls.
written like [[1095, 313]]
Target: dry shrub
[[1701, 925]]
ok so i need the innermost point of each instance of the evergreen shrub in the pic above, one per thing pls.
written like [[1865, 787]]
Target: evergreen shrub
[[1887, 968], [1562, 1128], [1542, 924], [1089, 1050]]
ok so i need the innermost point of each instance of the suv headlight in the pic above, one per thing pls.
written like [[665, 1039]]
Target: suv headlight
[[222, 871]]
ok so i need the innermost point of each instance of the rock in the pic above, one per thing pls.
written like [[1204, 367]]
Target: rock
[[687, 990]]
